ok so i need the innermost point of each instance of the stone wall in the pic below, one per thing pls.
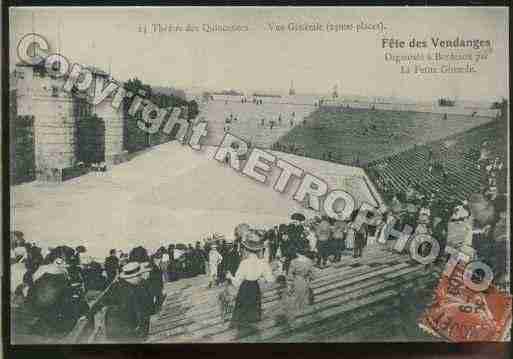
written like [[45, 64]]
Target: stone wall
[[21, 151], [57, 115], [114, 128], [113, 119], [54, 132], [53, 110]]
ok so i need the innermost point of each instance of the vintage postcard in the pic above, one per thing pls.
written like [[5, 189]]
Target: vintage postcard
[[258, 174]]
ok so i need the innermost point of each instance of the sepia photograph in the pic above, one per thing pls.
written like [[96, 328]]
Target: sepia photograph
[[258, 175]]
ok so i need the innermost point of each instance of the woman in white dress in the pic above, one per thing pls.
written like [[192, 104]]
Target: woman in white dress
[[248, 305], [384, 228]]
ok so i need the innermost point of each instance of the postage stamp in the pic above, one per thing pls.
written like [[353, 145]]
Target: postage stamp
[[460, 314]]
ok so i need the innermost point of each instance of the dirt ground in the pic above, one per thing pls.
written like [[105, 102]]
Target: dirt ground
[[169, 194]]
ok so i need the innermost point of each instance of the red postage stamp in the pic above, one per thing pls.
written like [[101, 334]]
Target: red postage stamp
[[459, 314]]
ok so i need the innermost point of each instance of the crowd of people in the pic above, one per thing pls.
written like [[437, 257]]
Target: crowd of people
[[59, 285], [292, 148], [62, 284], [327, 155], [271, 123]]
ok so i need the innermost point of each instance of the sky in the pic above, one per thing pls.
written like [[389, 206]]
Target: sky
[[262, 60]]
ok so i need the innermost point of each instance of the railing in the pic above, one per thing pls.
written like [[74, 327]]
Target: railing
[[95, 316]]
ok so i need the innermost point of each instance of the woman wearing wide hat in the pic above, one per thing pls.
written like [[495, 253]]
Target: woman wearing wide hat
[[248, 305], [127, 317]]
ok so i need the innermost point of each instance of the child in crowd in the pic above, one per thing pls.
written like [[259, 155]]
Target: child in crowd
[[227, 299]]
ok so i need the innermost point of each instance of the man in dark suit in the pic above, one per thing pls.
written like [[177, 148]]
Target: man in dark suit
[[156, 280], [323, 233], [360, 240], [272, 236], [287, 251], [338, 239], [111, 266], [127, 317]]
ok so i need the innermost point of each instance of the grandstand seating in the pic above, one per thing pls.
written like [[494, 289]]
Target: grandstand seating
[[368, 135], [458, 155]]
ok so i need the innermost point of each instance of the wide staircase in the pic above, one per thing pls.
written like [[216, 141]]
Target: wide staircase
[[378, 297], [458, 155], [355, 299]]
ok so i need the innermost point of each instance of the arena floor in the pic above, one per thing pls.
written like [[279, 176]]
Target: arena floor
[[169, 194]]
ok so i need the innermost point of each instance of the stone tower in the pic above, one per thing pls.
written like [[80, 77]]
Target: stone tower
[[57, 114], [54, 110]]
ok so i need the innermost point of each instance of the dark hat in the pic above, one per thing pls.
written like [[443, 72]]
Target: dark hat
[[80, 249], [252, 241], [181, 246], [17, 234], [139, 254], [298, 217]]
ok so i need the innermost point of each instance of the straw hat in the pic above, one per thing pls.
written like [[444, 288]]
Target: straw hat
[[130, 270], [218, 237], [252, 241], [145, 267]]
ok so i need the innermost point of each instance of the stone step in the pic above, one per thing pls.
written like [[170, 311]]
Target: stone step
[[188, 312], [327, 299], [320, 276]]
